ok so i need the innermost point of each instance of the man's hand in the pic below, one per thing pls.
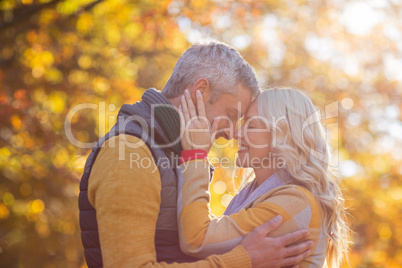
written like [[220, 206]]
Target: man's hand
[[276, 252]]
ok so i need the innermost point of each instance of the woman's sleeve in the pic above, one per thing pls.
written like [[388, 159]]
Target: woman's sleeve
[[202, 235]]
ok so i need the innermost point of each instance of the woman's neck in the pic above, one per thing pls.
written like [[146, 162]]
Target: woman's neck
[[262, 174]]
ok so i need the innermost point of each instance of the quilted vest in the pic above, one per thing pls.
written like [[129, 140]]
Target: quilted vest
[[155, 128]]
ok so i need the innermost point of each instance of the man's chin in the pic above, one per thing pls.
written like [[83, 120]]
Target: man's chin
[[220, 135], [221, 140]]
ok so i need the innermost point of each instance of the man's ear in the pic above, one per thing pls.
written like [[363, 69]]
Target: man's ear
[[202, 85]]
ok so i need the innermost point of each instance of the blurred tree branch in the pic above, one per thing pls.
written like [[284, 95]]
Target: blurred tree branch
[[88, 7], [25, 12]]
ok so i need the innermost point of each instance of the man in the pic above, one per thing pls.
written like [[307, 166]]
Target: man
[[128, 189]]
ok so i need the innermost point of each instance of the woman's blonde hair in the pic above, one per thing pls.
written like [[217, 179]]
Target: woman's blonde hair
[[299, 139]]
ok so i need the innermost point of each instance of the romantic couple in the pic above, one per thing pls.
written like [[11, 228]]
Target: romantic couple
[[144, 199]]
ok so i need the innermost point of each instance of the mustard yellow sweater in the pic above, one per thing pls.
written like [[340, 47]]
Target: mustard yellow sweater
[[127, 233]]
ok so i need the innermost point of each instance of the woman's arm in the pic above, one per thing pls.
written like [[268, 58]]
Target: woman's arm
[[202, 235]]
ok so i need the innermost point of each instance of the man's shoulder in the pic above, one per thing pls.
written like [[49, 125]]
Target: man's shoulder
[[123, 147], [124, 139]]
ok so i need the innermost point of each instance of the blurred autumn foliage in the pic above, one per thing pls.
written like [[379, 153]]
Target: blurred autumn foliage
[[55, 55]]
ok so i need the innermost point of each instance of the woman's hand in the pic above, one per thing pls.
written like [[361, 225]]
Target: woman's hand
[[197, 131]]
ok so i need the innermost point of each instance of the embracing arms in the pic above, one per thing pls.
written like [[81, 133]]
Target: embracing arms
[[127, 200]]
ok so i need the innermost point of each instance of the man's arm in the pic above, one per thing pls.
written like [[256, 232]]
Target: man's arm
[[127, 201]]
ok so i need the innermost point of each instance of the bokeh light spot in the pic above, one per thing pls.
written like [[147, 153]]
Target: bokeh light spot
[[226, 199], [219, 187]]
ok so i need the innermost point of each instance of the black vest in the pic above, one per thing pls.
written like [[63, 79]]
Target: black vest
[[139, 120]]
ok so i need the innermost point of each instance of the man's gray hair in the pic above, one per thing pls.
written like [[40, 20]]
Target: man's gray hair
[[219, 63]]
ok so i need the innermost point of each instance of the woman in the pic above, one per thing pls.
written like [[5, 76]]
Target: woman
[[282, 140]]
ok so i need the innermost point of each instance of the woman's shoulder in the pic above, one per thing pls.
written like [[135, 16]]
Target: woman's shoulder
[[292, 191], [296, 200]]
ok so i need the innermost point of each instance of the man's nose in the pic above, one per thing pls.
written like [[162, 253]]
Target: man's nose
[[236, 134], [228, 135]]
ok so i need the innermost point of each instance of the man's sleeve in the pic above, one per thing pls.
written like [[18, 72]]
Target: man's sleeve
[[125, 191]]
